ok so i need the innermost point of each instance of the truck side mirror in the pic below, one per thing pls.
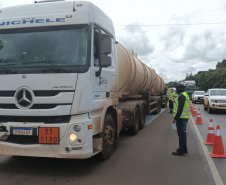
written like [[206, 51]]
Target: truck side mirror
[[105, 48]]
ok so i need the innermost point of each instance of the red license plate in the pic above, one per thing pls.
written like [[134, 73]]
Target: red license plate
[[48, 135]]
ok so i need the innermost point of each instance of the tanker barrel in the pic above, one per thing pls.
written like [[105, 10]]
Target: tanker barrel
[[134, 76]]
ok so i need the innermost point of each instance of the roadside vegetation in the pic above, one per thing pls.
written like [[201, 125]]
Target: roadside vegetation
[[213, 78]]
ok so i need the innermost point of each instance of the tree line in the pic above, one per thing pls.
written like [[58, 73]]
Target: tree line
[[213, 78]]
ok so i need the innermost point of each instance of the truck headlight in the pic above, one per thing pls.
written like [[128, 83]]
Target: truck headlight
[[212, 100], [77, 128], [72, 137]]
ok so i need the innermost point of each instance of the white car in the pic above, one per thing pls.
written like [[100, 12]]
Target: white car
[[215, 99], [197, 96]]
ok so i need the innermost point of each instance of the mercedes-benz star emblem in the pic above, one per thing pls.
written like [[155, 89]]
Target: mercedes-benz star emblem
[[24, 98]]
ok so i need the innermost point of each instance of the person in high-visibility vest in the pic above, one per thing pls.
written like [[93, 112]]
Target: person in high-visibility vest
[[171, 100], [181, 113]]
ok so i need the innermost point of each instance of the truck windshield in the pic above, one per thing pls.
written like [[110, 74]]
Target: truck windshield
[[190, 87], [218, 92], [199, 93], [51, 47]]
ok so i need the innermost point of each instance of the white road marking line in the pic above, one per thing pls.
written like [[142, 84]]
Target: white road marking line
[[213, 169]]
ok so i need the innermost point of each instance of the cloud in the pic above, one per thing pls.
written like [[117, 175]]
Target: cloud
[[209, 47], [173, 38], [134, 37]]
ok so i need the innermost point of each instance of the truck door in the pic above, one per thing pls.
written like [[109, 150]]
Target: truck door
[[104, 79]]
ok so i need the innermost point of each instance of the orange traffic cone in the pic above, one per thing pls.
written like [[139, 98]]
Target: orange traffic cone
[[211, 135], [191, 108], [218, 147], [194, 113], [199, 119]]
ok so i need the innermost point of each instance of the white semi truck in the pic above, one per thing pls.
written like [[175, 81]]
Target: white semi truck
[[190, 87], [54, 102]]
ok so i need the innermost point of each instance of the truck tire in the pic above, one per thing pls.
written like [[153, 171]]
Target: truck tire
[[142, 117], [109, 137], [135, 128], [156, 111], [210, 111], [158, 108], [165, 104]]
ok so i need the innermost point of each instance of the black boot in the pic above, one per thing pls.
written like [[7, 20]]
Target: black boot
[[178, 153]]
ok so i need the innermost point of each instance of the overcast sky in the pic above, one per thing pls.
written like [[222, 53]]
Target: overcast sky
[[174, 37]]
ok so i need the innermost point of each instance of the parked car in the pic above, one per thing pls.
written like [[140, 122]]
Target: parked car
[[197, 96], [215, 99]]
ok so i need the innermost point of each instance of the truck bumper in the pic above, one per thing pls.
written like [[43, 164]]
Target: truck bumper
[[39, 150], [79, 149]]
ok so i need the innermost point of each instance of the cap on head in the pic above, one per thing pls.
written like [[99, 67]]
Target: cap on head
[[180, 87]]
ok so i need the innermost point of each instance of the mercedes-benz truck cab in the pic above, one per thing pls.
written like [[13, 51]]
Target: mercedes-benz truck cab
[[53, 99]]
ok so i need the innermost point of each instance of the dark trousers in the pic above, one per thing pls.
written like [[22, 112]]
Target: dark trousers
[[171, 105], [181, 130]]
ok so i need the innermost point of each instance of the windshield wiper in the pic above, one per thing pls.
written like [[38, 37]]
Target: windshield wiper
[[48, 62], [8, 69], [2, 60]]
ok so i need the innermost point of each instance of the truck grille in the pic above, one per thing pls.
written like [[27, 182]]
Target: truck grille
[[36, 119], [22, 139], [36, 106], [11, 99], [37, 93]]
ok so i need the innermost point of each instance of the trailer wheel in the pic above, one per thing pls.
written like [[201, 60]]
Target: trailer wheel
[[142, 117], [165, 104], [136, 121], [159, 107], [108, 137]]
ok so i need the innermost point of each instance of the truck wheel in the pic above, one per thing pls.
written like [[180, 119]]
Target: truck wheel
[[158, 108], [108, 137], [210, 111], [135, 129], [165, 104], [156, 111], [142, 118]]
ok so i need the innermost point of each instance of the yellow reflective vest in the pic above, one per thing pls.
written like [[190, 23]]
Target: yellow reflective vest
[[171, 96], [186, 109]]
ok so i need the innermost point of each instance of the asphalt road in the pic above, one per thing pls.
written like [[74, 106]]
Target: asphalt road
[[144, 159], [219, 118]]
